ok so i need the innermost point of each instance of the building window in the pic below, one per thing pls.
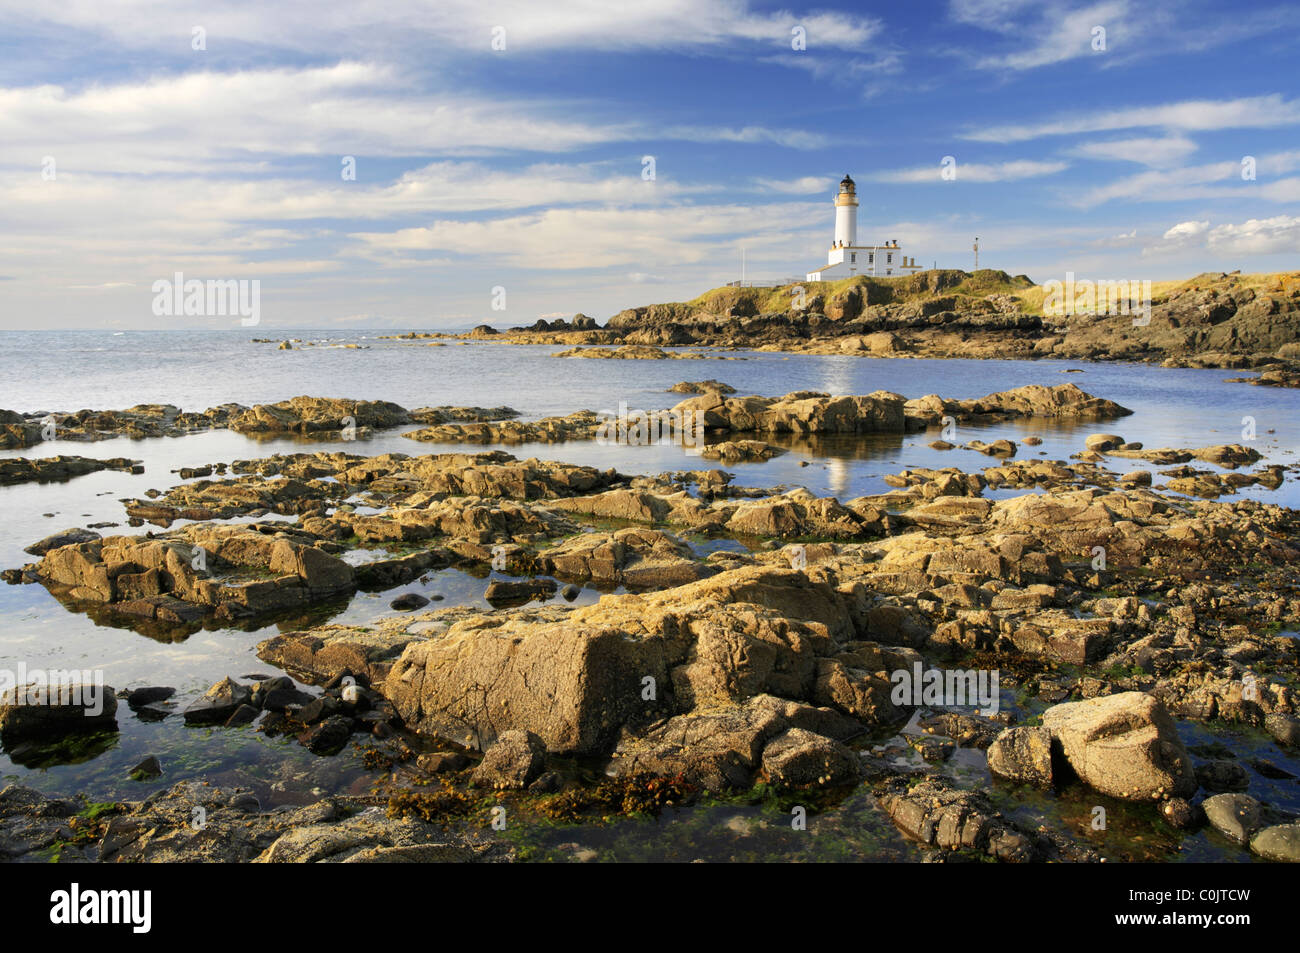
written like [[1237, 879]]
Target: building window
[[853, 256], [871, 258], [889, 259]]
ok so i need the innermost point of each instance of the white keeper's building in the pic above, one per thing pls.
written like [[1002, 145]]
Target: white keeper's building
[[847, 257]]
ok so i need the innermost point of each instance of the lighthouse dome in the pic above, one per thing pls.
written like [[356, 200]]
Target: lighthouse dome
[[846, 184]]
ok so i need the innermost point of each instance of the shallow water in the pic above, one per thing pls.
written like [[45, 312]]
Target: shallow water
[[72, 370]]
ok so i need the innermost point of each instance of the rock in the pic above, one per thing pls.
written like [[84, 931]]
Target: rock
[[939, 816], [366, 838], [39, 710], [798, 758], [150, 695], [1284, 728], [150, 767], [329, 736], [438, 761], [1280, 843], [1022, 754], [1180, 813], [509, 592], [218, 703], [1124, 745], [1222, 775], [1104, 441], [65, 537], [514, 760], [701, 387], [1235, 816], [243, 715], [408, 601]]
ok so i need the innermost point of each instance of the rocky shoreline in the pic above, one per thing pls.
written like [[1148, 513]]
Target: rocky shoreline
[[1212, 320], [745, 643]]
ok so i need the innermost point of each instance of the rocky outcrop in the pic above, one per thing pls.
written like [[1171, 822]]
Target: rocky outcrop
[[193, 822], [631, 659], [318, 414], [48, 469]]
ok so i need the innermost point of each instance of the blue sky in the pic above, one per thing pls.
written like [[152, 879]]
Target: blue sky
[[503, 145]]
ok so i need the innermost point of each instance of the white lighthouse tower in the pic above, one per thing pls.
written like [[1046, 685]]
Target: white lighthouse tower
[[846, 257], [846, 214]]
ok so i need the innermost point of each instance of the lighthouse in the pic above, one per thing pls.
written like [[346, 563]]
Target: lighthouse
[[846, 257], [846, 214]]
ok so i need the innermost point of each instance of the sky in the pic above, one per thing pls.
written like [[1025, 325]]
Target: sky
[[446, 163]]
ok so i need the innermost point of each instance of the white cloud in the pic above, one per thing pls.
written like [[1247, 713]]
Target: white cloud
[[1157, 152], [585, 238], [1268, 236], [440, 25], [974, 172], [1210, 181], [1254, 112], [207, 121], [1185, 231], [1055, 33], [805, 185]]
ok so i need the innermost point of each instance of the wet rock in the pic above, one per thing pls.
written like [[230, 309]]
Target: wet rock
[[329, 736], [1222, 775], [514, 760], [243, 715], [939, 816], [1235, 816], [1280, 843], [436, 762], [1022, 754], [1180, 813], [1284, 728], [1124, 745], [799, 758], [510, 592], [369, 837], [701, 387], [148, 695], [408, 601], [67, 537], [40, 710], [218, 703], [1103, 441], [150, 767]]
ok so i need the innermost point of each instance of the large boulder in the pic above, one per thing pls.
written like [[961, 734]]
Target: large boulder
[[1123, 745], [578, 679]]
